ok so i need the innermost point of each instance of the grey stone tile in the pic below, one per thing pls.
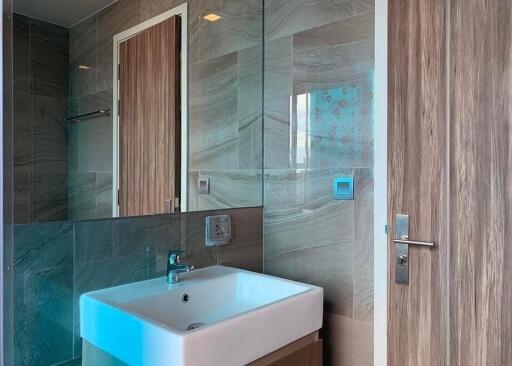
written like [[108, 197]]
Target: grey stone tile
[[82, 52], [192, 239], [22, 195], [156, 235], [104, 194], [250, 105], [43, 293], [195, 29], [327, 266], [327, 67], [228, 189], [82, 196], [301, 213], [49, 135], [248, 257], [363, 245], [193, 191], [247, 226], [110, 21], [49, 197], [283, 18], [348, 342], [150, 9], [361, 6], [214, 156], [40, 246], [245, 249], [148, 236], [94, 137], [213, 114], [43, 317], [303, 226], [353, 29], [95, 240], [22, 130], [118, 17], [240, 26], [49, 59], [104, 64], [21, 54], [73, 133], [92, 102], [278, 90]]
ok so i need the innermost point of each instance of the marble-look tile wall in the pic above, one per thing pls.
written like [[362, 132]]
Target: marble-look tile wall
[[318, 113], [40, 136], [225, 102], [54, 263]]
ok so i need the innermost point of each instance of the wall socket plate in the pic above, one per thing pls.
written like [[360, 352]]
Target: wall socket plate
[[218, 230]]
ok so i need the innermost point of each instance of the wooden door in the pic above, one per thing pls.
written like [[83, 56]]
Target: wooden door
[[481, 182], [149, 120], [417, 177]]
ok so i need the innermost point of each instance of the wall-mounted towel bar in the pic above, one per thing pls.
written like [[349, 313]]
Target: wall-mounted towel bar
[[94, 114]]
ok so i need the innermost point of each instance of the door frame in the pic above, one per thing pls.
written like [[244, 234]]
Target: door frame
[[180, 10], [380, 174]]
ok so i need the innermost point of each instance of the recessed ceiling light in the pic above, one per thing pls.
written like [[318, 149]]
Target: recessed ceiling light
[[212, 17], [84, 67]]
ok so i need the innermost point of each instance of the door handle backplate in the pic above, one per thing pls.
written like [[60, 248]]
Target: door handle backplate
[[402, 249]]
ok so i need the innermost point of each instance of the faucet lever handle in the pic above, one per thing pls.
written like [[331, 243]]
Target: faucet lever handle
[[174, 256]]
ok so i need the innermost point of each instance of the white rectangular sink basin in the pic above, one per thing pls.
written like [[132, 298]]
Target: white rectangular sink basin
[[214, 316]]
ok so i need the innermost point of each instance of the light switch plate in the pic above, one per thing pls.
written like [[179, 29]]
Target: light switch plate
[[218, 230], [203, 185], [343, 188]]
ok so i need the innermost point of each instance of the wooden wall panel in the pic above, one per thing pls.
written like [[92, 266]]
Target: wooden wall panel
[[417, 168], [481, 182]]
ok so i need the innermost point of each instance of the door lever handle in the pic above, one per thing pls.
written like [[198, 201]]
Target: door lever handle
[[414, 242]]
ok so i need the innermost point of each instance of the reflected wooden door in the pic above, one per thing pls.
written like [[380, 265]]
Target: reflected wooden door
[[418, 170], [149, 120]]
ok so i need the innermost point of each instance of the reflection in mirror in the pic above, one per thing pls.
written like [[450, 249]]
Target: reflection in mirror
[[147, 135], [126, 108]]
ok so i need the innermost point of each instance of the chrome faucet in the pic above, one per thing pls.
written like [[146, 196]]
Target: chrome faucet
[[175, 267]]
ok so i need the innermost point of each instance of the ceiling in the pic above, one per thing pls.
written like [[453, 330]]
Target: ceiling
[[65, 13]]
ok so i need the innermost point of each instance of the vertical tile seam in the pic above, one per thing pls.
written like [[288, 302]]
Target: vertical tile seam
[[262, 212]]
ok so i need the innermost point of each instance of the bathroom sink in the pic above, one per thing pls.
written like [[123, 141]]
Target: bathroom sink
[[214, 316]]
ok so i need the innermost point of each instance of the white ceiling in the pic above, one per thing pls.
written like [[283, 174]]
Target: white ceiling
[[61, 12]]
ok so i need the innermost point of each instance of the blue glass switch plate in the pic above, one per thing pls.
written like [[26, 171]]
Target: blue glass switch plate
[[344, 188]]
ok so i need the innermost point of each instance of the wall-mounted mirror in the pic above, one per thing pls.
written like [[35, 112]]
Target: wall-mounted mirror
[[136, 109]]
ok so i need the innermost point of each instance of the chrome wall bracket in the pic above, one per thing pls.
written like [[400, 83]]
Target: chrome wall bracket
[[402, 243]]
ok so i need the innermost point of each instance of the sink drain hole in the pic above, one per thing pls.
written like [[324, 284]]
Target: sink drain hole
[[195, 326], [185, 298]]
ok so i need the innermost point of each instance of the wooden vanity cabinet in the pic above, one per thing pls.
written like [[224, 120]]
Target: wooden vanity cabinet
[[306, 351]]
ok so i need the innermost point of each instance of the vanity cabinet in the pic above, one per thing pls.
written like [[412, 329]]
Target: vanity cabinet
[[306, 351]]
